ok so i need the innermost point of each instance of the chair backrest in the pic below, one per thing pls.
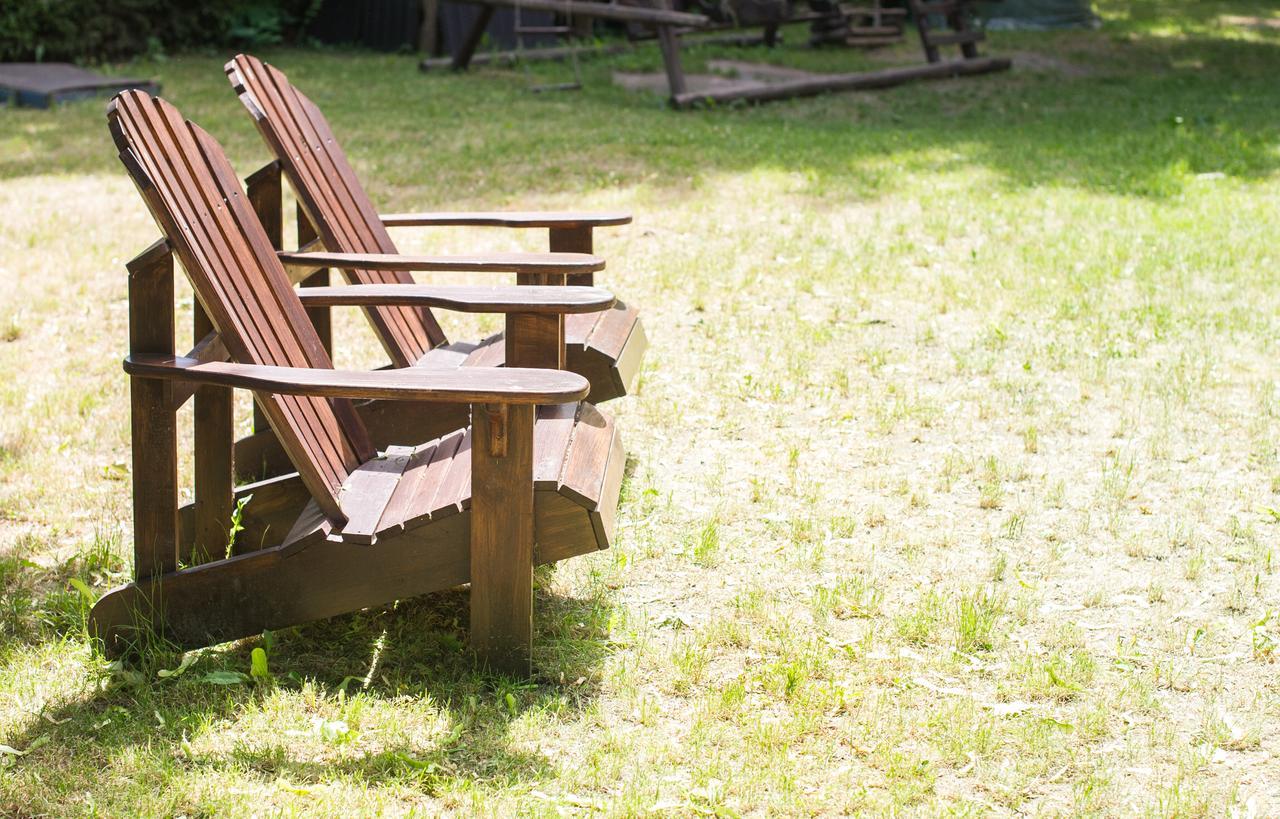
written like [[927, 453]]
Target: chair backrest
[[195, 198], [332, 197]]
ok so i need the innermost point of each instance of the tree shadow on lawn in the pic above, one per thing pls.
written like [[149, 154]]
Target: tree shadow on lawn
[[414, 649], [1145, 111]]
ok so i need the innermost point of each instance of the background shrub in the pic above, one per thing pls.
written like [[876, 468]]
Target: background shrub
[[98, 30]]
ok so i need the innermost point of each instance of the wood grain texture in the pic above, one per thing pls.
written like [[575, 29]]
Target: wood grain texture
[[502, 537], [270, 511], [465, 298], [332, 197], [496, 385], [273, 589], [535, 340], [330, 192], [153, 422], [193, 194], [573, 239], [213, 430], [367, 492], [563, 263], [507, 219]]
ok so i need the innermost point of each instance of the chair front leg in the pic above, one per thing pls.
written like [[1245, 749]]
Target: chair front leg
[[502, 536]]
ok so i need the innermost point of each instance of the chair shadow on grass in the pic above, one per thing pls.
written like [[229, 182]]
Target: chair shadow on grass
[[414, 648]]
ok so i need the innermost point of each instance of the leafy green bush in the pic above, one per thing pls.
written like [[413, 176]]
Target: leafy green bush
[[96, 30]]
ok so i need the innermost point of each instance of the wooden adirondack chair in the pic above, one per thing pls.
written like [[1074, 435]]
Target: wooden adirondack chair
[[535, 478], [605, 346]]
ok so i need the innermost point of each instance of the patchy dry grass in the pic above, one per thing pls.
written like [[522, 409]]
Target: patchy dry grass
[[954, 468]]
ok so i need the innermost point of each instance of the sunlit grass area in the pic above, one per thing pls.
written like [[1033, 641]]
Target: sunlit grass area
[[953, 470]]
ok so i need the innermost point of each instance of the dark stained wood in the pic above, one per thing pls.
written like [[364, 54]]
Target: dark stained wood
[[271, 510], [260, 455], [465, 298], [462, 58], [574, 239], [552, 434], [593, 434], [534, 339], [214, 423], [368, 529], [611, 368], [275, 589], [607, 348], [669, 44], [508, 219], [410, 384], [959, 31], [489, 263], [193, 194], [209, 348], [334, 202], [453, 494], [321, 318], [604, 515], [266, 197], [426, 468], [347, 222], [367, 492], [847, 82], [154, 425], [502, 537]]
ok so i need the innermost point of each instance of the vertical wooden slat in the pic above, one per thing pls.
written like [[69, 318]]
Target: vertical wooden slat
[[214, 440], [154, 423], [535, 340], [502, 536], [320, 316], [669, 42], [575, 240], [265, 193], [266, 197], [467, 48]]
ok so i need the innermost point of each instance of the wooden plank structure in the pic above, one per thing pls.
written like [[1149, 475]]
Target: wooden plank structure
[[534, 478], [605, 346], [867, 25]]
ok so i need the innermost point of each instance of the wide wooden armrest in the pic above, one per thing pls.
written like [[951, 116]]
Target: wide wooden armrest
[[563, 263], [526, 219], [470, 385], [463, 298]]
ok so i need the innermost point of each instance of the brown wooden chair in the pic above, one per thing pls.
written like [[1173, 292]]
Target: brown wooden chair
[[604, 346], [535, 478]]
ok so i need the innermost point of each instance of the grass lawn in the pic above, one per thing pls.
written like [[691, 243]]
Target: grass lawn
[[954, 469]]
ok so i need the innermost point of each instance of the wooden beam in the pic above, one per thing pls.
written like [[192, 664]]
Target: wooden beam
[[214, 440], [535, 340], [320, 316], [462, 58], [579, 239], [265, 192], [846, 82], [154, 423], [502, 536], [669, 43]]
